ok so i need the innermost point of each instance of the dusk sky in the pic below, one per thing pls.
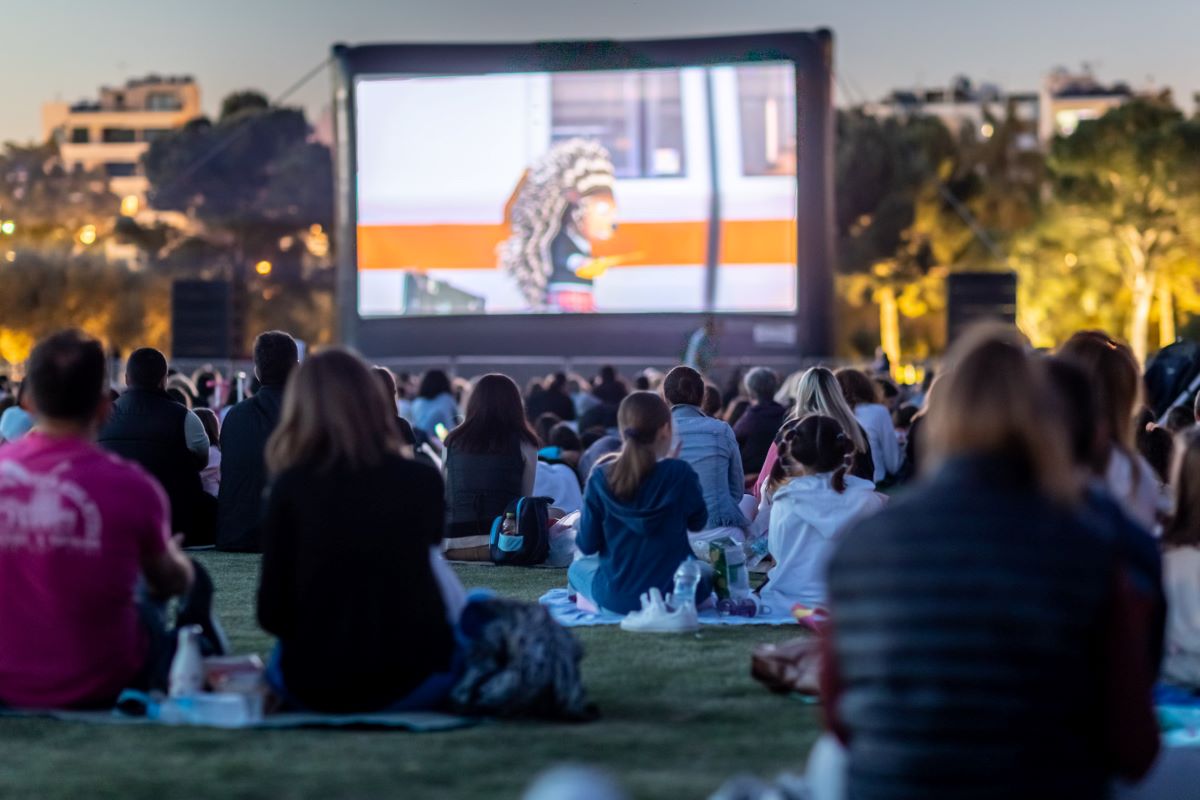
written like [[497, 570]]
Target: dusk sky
[[65, 49]]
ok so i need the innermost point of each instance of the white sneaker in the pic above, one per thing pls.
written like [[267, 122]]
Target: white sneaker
[[656, 616]]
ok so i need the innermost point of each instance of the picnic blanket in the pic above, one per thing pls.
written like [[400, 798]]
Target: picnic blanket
[[562, 607], [412, 721], [1178, 715]]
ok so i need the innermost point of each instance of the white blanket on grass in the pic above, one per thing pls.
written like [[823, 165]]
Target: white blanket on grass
[[560, 605]]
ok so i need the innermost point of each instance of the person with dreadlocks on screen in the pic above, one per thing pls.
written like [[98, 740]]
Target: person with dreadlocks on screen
[[562, 206]]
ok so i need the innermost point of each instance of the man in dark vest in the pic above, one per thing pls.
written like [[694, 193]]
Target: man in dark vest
[[167, 439], [244, 436]]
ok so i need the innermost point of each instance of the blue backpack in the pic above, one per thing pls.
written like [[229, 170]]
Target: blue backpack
[[530, 544]]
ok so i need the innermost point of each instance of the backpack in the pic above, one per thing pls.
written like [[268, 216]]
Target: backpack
[[531, 543]]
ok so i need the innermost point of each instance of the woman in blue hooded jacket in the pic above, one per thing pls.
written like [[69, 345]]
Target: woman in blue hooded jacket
[[637, 510]]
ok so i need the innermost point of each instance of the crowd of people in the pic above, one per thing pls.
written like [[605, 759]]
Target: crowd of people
[[1009, 554]]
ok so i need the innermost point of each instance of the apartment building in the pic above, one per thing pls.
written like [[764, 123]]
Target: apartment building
[[113, 132]]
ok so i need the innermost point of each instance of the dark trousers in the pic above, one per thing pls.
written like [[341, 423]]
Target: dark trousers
[[195, 608]]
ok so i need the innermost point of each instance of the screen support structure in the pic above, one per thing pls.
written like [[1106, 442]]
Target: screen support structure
[[621, 334]]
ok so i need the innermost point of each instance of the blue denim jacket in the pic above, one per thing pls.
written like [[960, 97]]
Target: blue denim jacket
[[711, 448]]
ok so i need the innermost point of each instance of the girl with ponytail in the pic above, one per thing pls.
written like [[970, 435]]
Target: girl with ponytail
[[813, 499], [637, 510]]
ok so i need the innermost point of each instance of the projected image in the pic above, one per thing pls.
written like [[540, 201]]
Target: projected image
[[632, 191]]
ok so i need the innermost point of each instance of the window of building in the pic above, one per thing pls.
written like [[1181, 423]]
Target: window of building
[[163, 101], [119, 100], [120, 169], [767, 107], [119, 135], [154, 134], [80, 136], [636, 115]]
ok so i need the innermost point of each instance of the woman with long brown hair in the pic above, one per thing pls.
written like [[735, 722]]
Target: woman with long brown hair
[[862, 395], [1111, 367], [491, 460], [347, 582], [637, 510]]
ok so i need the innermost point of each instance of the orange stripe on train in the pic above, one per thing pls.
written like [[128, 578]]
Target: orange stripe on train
[[422, 247]]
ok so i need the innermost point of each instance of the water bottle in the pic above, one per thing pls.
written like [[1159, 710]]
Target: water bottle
[[187, 667], [509, 526], [687, 580]]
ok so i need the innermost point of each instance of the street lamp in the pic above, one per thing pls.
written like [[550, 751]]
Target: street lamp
[[263, 268]]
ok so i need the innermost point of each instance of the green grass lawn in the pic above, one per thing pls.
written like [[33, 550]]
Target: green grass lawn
[[679, 716]]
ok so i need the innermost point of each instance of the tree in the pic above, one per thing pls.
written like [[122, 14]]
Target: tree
[[48, 203], [252, 179], [888, 173], [1127, 194], [42, 291]]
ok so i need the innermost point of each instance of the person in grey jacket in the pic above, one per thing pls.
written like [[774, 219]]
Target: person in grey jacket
[[709, 446]]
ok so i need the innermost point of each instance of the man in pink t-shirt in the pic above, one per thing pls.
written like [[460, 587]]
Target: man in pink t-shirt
[[86, 551]]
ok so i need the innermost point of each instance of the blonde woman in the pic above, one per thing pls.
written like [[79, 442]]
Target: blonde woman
[[818, 392]]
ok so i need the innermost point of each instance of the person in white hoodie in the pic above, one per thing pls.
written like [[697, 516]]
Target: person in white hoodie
[[813, 501]]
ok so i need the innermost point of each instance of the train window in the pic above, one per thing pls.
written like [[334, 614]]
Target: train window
[[636, 115], [767, 106]]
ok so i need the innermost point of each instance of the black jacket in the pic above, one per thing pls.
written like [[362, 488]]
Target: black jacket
[[756, 431], [244, 436], [147, 426], [347, 584], [479, 486]]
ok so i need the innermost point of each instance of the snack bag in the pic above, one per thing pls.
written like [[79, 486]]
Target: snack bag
[[730, 578]]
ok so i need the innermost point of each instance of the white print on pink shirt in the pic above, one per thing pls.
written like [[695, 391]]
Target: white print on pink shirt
[[40, 512]]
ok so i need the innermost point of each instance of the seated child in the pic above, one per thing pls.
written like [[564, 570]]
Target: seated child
[[812, 501], [637, 510], [1181, 569]]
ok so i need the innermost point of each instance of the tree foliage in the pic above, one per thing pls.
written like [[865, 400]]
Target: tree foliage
[[48, 203], [250, 179], [1120, 231], [44, 291]]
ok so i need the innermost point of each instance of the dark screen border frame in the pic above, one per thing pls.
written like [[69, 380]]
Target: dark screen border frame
[[660, 335]]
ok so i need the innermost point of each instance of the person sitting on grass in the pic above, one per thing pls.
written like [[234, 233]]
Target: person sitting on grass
[[491, 460], [244, 434], [637, 510], [862, 395], [813, 501], [757, 427], [210, 476], [983, 641], [435, 404], [1111, 366], [87, 560], [17, 419], [347, 582], [709, 446], [420, 446], [169, 441], [1181, 568], [818, 392]]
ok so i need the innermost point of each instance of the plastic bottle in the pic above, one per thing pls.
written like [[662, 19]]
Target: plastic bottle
[[187, 667], [687, 580], [509, 526]]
